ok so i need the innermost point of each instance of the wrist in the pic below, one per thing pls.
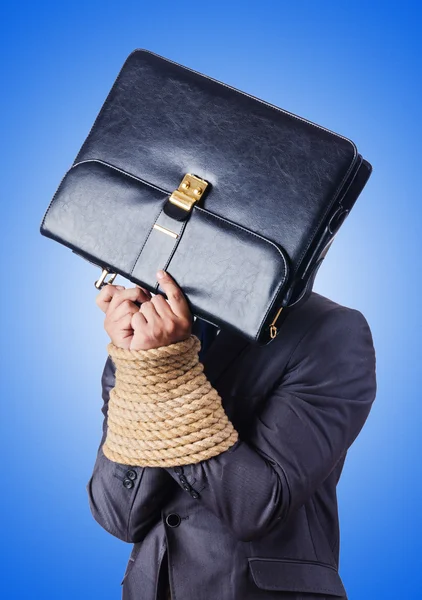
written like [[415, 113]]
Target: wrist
[[182, 349], [163, 411]]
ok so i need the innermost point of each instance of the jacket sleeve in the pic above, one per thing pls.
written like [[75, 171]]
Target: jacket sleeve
[[305, 427], [125, 500]]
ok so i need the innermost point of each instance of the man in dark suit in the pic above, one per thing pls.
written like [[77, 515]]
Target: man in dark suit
[[260, 520]]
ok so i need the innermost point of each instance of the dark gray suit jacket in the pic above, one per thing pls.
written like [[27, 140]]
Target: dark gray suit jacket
[[260, 520]]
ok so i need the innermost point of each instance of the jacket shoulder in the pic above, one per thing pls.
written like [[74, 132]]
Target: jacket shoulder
[[321, 304], [319, 312]]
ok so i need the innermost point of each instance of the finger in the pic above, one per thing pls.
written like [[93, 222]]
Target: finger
[[175, 296], [138, 322], [106, 294], [124, 326], [149, 312], [162, 307], [132, 294], [124, 308], [147, 292]]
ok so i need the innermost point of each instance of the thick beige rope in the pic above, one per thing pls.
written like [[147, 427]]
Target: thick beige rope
[[163, 411]]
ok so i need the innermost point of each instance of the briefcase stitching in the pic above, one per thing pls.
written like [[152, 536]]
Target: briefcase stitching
[[174, 248], [145, 241], [96, 160], [103, 162]]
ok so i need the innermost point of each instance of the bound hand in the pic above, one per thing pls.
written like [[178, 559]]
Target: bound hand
[[161, 322], [119, 305], [158, 322]]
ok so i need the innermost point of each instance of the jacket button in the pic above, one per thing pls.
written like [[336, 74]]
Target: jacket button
[[178, 470], [131, 474], [128, 483], [183, 479], [194, 494], [173, 520], [186, 487]]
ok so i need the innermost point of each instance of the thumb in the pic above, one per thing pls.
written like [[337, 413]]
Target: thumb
[[174, 293]]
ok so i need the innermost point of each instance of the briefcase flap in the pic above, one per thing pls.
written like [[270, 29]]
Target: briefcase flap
[[107, 216]]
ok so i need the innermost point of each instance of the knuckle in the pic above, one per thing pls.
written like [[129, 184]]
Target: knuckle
[[157, 299], [157, 331], [171, 327]]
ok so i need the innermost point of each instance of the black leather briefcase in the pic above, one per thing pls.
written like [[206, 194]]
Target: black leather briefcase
[[238, 199]]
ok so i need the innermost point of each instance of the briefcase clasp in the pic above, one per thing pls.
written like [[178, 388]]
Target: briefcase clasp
[[101, 281], [190, 190]]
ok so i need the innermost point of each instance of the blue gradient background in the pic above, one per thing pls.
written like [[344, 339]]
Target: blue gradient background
[[352, 67]]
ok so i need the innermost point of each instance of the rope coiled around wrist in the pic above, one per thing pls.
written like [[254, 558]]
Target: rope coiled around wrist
[[163, 411]]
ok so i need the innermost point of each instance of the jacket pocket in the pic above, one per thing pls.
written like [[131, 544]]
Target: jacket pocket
[[296, 576]]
